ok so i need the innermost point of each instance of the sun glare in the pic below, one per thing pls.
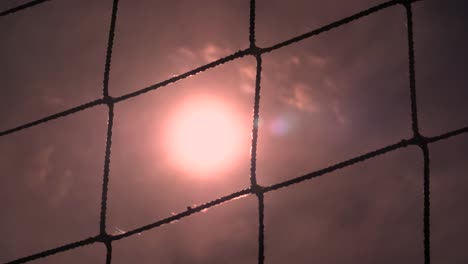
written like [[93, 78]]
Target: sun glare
[[204, 136]]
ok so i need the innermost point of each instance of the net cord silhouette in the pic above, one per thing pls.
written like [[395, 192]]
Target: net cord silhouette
[[255, 189]]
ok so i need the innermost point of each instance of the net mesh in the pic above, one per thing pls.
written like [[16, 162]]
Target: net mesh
[[422, 142]]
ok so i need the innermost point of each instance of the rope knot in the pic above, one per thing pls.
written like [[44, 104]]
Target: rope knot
[[257, 189], [108, 100], [104, 238], [255, 51], [420, 140]]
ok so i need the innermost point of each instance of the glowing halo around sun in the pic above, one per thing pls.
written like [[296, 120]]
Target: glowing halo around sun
[[204, 136]]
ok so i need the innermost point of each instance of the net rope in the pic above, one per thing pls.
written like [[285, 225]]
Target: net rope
[[417, 140]]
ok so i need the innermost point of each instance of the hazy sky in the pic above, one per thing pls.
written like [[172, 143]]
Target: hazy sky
[[324, 100]]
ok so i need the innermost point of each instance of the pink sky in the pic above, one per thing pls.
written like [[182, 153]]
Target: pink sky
[[324, 100]]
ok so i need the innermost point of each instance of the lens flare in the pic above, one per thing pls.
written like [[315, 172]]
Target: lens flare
[[283, 124], [279, 126]]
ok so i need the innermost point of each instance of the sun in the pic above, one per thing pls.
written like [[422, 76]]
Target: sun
[[204, 135]]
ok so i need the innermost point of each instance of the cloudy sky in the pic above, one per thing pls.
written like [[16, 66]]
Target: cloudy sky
[[324, 100]]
